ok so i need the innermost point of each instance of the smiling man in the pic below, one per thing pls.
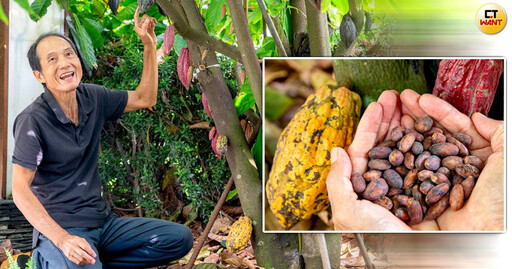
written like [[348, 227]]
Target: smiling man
[[56, 183]]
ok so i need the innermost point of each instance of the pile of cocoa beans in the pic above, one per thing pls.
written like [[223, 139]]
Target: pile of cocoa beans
[[418, 174]]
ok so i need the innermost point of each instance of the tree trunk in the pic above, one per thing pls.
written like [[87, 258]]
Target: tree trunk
[[298, 16], [311, 250], [318, 31], [370, 77]]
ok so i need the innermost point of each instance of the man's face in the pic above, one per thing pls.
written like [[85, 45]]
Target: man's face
[[60, 65]]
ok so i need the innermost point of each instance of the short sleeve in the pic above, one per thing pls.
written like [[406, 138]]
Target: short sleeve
[[28, 151], [113, 102]]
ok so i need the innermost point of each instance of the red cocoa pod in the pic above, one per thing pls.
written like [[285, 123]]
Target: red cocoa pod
[[372, 174], [423, 124], [416, 194], [168, 39], [402, 200], [468, 184], [451, 162], [358, 182], [425, 175], [463, 138], [445, 171], [182, 67], [387, 143], [436, 193], [457, 179], [444, 149], [223, 10], [420, 160], [385, 202], [205, 105], [214, 144], [426, 186], [397, 133], [409, 160], [406, 143], [463, 151], [379, 164], [417, 148], [402, 214], [440, 178], [434, 130], [438, 138], [402, 170], [457, 197], [396, 157], [410, 178], [212, 133], [432, 163], [466, 170], [393, 191], [393, 178], [376, 189], [438, 208], [379, 152], [415, 211], [427, 143], [474, 161]]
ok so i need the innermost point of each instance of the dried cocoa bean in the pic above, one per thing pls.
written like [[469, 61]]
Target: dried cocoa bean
[[457, 197], [417, 148], [457, 179], [438, 138], [463, 138], [445, 171], [402, 214], [402, 170], [387, 143], [444, 149], [379, 152], [467, 170], [432, 163], [402, 200], [440, 178], [420, 160], [397, 133], [416, 194], [427, 143], [372, 174], [468, 184], [438, 208], [393, 178], [409, 160], [415, 211], [396, 157], [451, 162], [358, 182], [426, 186], [393, 191], [433, 130], [379, 164], [406, 142], [423, 124], [376, 189], [385, 202], [410, 178], [463, 151], [425, 175], [474, 161], [436, 193]]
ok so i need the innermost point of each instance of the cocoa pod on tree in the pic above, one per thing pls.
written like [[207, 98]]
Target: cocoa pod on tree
[[168, 39], [183, 66]]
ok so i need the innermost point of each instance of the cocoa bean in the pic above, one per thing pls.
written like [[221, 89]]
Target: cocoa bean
[[417, 148], [438, 138], [379, 152], [408, 191], [379, 164], [427, 143], [438, 208], [394, 191], [393, 178], [445, 171], [432, 163], [425, 175], [410, 178], [358, 182], [372, 174], [474, 161], [423, 124], [402, 214], [385, 202], [415, 211], [463, 151], [440, 178], [376, 189], [397, 133], [420, 160], [416, 194], [457, 197], [444, 149], [451, 162], [402, 170], [402, 200], [457, 179], [426, 186], [466, 170], [468, 184], [387, 143], [463, 138], [396, 157], [436, 193], [433, 130], [409, 160], [406, 142]]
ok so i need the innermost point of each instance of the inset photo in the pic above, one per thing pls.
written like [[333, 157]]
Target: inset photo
[[384, 145]]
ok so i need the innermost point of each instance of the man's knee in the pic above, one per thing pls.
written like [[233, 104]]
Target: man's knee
[[178, 241]]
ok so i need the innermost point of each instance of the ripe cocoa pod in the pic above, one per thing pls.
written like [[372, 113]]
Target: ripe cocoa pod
[[376, 189], [385, 202], [440, 178], [417, 148], [182, 67], [427, 143], [168, 39], [379, 164], [393, 178], [379, 152], [445, 171], [444, 149], [438, 208], [402, 170], [474, 161], [432, 163], [396, 157], [406, 142], [415, 211], [463, 151], [358, 182], [436, 193], [423, 124], [372, 174], [463, 138], [397, 133], [409, 160], [393, 191], [467, 170], [420, 160], [468, 184], [425, 175], [457, 197], [402, 214], [426, 186], [451, 162], [387, 143], [438, 138], [410, 178]]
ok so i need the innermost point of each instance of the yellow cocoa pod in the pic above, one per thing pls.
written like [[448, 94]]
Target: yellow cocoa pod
[[239, 234], [296, 185]]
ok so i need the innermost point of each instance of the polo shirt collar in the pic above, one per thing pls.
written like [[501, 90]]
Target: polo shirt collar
[[84, 104]]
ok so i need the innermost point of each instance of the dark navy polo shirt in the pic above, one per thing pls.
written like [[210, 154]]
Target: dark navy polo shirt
[[65, 156]]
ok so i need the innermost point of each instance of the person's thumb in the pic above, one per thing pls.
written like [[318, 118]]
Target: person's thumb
[[339, 186], [491, 130]]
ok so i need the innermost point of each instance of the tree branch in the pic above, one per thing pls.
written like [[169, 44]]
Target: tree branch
[[272, 28]]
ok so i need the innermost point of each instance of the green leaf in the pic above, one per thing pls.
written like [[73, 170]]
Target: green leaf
[[244, 100], [127, 12], [231, 194], [95, 30], [25, 5], [341, 5], [214, 14], [179, 43], [274, 7], [257, 151], [275, 103], [98, 8], [84, 43], [325, 5], [3, 17], [39, 7]]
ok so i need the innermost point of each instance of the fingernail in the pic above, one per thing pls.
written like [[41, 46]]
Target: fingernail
[[334, 155]]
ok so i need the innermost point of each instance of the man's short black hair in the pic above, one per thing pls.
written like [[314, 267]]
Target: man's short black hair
[[33, 58]]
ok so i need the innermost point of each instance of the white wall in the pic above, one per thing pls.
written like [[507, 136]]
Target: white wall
[[23, 87]]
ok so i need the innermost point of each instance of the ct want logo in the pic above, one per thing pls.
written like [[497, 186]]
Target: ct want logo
[[491, 18]]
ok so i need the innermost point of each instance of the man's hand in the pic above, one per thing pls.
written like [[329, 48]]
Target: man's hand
[[485, 208], [76, 249], [145, 28]]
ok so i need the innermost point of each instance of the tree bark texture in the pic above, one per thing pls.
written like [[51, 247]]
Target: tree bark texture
[[318, 31], [298, 16], [311, 250]]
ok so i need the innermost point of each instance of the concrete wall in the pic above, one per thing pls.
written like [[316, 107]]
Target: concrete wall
[[23, 87]]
